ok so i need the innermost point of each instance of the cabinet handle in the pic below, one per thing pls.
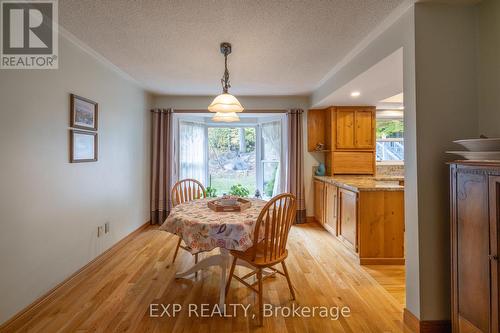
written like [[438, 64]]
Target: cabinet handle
[[493, 257]]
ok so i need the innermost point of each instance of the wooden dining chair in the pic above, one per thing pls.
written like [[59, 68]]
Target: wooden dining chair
[[269, 245], [184, 191]]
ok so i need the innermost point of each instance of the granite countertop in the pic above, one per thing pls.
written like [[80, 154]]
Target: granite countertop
[[365, 183]]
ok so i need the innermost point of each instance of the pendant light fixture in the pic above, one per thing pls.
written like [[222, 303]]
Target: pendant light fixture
[[226, 105]]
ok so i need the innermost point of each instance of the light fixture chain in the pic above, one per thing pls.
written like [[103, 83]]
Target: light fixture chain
[[225, 79]]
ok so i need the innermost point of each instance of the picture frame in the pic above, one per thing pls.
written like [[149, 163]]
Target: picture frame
[[83, 146], [83, 113]]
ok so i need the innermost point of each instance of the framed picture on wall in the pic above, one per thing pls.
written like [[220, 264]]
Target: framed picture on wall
[[83, 113], [83, 146]]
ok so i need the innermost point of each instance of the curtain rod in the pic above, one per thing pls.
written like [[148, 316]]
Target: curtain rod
[[246, 111]]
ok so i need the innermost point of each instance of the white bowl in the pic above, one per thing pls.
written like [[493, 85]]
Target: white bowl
[[486, 145], [478, 155]]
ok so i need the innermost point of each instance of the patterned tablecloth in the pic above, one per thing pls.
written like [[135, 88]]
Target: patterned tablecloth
[[202, 229]]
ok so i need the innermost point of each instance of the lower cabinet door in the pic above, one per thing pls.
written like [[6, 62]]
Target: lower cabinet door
[[470, 261], [331, 208], [494, 205], [319, 201], [348, 215]]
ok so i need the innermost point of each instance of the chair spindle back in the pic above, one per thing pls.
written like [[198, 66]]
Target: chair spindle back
[[275, 219], [187, 190]]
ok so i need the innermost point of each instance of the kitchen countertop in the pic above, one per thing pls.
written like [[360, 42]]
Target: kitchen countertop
[[365, 183]]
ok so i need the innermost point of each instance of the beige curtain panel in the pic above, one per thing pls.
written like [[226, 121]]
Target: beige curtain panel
[[295, 161], [161, 157]]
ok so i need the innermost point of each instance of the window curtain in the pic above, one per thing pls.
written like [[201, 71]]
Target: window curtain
[[161, 156], [192, 151], [295, 161]]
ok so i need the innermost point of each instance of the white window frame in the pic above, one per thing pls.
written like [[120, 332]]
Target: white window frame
[[282, 161], [246, 123], [389, 162]]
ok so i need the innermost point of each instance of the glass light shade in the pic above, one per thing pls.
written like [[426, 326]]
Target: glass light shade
[[226, 117], [225, 103]]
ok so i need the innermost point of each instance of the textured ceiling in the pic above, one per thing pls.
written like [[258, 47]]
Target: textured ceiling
[[280, 47]]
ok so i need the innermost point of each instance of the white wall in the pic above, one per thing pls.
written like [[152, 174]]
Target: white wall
[[400, 34], [255, 103], [488, 65], [49, 208], [446, 110], [440, 106]]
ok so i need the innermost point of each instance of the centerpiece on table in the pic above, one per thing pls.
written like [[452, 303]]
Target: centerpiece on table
[[229, 203], [234, 202]]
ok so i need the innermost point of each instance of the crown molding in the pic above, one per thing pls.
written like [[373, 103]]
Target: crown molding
[[99, 57]]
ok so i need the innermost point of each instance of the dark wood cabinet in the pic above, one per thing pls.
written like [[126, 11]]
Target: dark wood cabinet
[[475, 217]]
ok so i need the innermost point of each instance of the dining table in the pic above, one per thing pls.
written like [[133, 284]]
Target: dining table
[[203, 229]]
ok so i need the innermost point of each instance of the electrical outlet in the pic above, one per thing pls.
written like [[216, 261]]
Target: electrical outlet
[[99, 231], [106, 227]]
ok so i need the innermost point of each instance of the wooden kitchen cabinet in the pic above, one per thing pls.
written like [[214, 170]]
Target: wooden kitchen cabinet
[[347, 135], [475, 218], [331, 208], [348, 218], [317, 129], [365, 129], [319, 201], [345, 129], [369, 222]]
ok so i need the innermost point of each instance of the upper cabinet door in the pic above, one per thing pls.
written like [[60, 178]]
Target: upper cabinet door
[[345, 129], [316, 126], [365, 129]]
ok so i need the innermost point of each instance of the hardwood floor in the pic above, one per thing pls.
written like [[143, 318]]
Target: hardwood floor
[[116, 294], [392, 278]]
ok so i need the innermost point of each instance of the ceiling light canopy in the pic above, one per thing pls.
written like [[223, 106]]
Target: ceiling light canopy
[[225, 102], [355, 94]]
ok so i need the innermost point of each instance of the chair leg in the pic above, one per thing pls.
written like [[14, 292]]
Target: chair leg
[[288, 280], [231, 272], [177, 250], [261, 303]]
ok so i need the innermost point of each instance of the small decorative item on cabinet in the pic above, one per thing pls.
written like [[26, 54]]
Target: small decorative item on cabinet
[[319, 147], [320, 171]]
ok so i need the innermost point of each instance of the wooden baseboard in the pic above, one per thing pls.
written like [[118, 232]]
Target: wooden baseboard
[[91, 265], [425, 326], [381, 261], [310, 219]]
